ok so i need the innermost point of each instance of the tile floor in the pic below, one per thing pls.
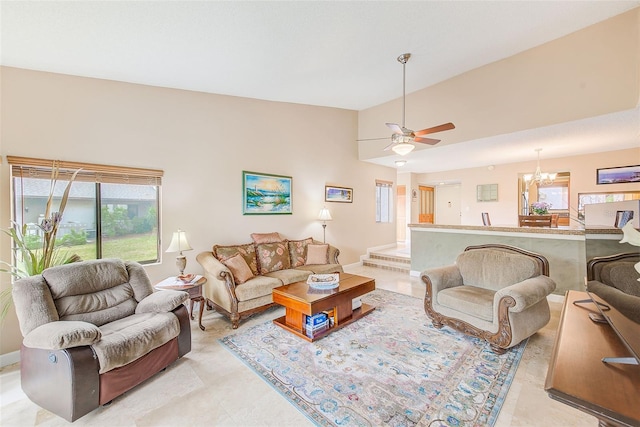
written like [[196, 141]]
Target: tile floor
[[209, 386]]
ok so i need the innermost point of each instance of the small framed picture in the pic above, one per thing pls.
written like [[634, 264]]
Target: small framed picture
[[265, 194], [618, 175], [338, 194]]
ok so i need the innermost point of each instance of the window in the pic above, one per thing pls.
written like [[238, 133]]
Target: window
[[557, 195], [111, 211], [384, 201]]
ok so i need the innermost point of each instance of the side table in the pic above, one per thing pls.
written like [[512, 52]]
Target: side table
[[194, 289]]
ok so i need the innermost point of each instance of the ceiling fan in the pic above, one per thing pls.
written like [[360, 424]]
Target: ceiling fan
[[402, 138]]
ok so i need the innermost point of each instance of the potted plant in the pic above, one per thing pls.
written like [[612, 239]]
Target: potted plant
[[540, 208], [28, 261]]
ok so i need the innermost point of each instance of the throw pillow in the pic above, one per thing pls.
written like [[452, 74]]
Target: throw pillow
[[259, 238], [296, 251], [239, 268], [273, 257], [247, 251], [317, 254]]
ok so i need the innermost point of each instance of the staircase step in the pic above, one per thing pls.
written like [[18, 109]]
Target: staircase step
[[399, 259], [387, 265]]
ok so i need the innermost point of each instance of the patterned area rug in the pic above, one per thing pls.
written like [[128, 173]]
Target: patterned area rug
[[390, 367]]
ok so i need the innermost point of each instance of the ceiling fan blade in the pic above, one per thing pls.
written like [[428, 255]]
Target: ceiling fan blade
[[372, 139], [429, 141], [439, 128], [395, 128]]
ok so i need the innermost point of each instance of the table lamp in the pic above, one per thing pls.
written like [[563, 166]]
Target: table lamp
[[178, 244], [324, 216]]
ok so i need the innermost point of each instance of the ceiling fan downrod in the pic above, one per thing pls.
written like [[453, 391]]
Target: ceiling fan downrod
[[403, 60]]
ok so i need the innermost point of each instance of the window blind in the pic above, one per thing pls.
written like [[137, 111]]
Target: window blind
[[26, 167]]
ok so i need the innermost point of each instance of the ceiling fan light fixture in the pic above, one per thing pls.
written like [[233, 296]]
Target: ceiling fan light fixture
[[403, 148]]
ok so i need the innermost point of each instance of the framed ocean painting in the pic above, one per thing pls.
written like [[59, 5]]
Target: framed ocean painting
[[338, 194], [618, 175], [265, 194]]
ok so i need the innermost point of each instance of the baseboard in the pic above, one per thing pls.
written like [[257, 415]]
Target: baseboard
[[9, 358], [355, 264]]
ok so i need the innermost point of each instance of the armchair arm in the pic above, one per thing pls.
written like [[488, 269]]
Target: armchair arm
[[526, 293], [62, 334], [162, 301], [218, 276], [442, 278]]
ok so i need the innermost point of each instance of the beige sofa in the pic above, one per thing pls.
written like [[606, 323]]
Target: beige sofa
[[240, 278], [93, 330], [493, 292]]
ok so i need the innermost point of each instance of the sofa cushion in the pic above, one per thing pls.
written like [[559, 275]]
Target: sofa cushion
[[273, 256], [317, 254], [289, 275], [128, 339], [297, 250], [471, 300], [621, 275], [259, 238], [257, 287], [239, 268], [495, 269], [247, 251]]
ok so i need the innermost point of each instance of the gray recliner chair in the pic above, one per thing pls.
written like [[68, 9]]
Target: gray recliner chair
[[493, 292], [93, 330]]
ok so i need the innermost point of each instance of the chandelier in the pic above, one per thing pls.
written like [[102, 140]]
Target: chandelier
[[539, 177]]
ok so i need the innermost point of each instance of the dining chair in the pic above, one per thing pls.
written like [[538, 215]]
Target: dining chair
[[534, 220], [485, 218], [622, 218]]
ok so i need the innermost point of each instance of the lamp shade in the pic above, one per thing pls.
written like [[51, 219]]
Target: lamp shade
[[403, 149], [179, 242], [324, 215]]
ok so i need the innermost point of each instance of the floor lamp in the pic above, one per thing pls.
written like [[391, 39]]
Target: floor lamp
[[324, 216]]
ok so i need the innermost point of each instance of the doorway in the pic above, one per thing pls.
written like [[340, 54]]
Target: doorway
[[426, 213], [448, 204]]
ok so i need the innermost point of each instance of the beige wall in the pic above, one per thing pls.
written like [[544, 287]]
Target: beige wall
[[203, 142], [505, 210], [585, 74]]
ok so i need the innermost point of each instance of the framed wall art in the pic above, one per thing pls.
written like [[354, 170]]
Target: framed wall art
[[618, 175], [338, 194], [265, 194]]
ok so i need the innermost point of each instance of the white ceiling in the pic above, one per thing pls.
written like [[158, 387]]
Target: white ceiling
[[330, 53]]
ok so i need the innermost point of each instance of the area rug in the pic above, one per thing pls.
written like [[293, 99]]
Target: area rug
[[388, 368]]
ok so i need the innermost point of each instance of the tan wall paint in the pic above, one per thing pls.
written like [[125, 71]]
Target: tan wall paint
[[588, 73], [202, 142], [505, 210]]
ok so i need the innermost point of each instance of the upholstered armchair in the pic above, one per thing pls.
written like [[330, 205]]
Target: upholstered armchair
[[493, 292], [615, 279], [93, 330]]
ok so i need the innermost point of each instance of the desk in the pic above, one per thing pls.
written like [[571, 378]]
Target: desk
[[578, 377], [194, 289]]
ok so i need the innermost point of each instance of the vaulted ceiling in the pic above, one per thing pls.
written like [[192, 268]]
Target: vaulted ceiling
[[338, 54]]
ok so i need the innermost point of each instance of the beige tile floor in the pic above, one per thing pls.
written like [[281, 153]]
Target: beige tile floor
[[209, 386]]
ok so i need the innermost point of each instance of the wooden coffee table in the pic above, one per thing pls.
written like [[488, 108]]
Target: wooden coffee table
[[301, 300]]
